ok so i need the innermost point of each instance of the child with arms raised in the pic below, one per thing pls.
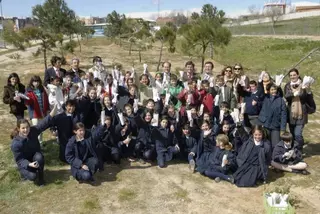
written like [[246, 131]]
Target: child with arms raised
[[80, 152], [26, 148]]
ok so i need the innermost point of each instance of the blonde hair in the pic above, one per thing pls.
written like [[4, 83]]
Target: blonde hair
[[224, 140]]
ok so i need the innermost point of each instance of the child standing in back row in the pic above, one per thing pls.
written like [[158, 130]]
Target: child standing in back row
[[38, 103]]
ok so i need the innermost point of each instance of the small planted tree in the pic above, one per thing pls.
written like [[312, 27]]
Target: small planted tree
[[167, 36], [204, 31], [47, 40]]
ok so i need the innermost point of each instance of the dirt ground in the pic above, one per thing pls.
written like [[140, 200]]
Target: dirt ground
[[135, 188]]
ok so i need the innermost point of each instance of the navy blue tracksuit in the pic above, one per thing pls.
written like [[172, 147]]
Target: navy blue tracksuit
[[188, 144], [215, 168], [280, 149], [145, 146], [91, 111], [83, 152], [27, 150], [273, 116], [64, 124], [107, 148], [165, 145]]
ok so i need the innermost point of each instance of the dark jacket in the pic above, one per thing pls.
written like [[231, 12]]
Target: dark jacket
[[51, 73], [76, 76], [24, 149], [288, 94], [205, 151], [8, 95], [145, 136], [188, 145], [264, 155], [273, 114], [164, 138], [72, 153], [108, 138], [279, 150], [65, 125], [262, 92], [248, 98], [122, 101], [215, 163], [113, 113], [91, 111]]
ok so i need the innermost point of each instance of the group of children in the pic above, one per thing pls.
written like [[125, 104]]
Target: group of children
[[221, 125]]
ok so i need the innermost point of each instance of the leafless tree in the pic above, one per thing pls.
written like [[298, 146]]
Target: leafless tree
[[274, 13], [254, 10]]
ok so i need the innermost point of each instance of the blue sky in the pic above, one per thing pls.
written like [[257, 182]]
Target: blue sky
[[134, 7]]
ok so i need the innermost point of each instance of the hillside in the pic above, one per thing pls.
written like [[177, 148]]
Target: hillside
[[303, 26]]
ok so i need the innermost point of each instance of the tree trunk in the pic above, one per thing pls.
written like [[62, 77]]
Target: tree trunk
[[45, 58], [204, 48], [273, 24], [130, 47], [79, 42], [211, 50], [139, 55], [160, 56]]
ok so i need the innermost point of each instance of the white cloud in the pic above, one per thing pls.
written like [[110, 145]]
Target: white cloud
[[154, 14]]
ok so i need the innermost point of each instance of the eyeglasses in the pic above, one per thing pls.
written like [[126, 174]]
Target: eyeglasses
[[237, 69], [228, 70]]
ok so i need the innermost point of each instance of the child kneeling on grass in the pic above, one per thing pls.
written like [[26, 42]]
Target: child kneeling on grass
[[287, 157], [80, 152], [26, 148], [166, 143]]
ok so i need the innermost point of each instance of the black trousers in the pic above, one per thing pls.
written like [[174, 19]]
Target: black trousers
[[87, 175], [30, 173]]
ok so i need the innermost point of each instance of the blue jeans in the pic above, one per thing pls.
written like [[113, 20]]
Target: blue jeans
[[296, 131]]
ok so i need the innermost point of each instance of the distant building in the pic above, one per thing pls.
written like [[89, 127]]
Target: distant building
[[91, 20], [307, 8], [163, 20]]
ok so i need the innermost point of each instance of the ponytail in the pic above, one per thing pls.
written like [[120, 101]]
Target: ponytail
[[14, 133]]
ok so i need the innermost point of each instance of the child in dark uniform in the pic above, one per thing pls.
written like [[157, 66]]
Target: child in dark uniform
[[26, 148], [81, 154], [222, 162], [188, 146], [166, 143]]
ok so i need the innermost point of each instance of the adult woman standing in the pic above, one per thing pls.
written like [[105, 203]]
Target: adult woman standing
[[273, 115], [10, 97], [241, 81], [228, 75], [296, 97]]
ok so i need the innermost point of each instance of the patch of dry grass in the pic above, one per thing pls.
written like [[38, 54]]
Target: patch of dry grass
[[126, 194]]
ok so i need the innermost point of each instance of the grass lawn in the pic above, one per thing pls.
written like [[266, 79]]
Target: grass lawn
[[135, 188], [303, 26]]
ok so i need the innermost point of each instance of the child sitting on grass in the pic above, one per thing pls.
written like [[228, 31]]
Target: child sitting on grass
[[287, 157]]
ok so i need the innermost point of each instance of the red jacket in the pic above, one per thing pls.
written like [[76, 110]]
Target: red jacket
[[183, 97], [207, 100], [33, 105]]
